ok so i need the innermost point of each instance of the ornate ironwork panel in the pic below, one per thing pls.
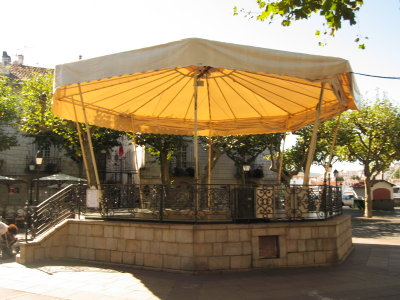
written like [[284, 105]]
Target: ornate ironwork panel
[[215, 203], [270, 202]]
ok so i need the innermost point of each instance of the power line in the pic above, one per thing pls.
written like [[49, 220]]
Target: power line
[[376, 76]]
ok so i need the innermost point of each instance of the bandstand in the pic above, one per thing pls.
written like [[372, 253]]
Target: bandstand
[[207, 88]]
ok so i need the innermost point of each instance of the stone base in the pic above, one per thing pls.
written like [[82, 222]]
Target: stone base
[[195, 248]]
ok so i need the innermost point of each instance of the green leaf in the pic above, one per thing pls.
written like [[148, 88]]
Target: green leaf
[[333, 12]]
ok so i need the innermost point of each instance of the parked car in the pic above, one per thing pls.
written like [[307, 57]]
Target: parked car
[[348, 199], [396, 195]]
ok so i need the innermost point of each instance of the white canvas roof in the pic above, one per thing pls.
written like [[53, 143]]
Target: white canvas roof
[[245, 90]]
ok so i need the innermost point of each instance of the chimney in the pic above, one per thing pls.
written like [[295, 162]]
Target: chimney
[[20, 59], [6, 59]]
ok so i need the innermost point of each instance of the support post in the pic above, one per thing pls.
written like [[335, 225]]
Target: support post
[[136, 165], [209, 171], [84, 157], [281, 160], [89, 136], [313, 142], [196, 146], [196, 139], [333, 145]]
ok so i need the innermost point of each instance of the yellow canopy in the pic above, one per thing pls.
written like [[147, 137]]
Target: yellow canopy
[[242, 89]]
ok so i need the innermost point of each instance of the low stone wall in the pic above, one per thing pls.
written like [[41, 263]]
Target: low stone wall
[[195, 248]]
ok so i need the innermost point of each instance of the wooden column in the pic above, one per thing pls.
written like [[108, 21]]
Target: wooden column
[[333, 145], [313, 142], [89, 136], [84, 157]]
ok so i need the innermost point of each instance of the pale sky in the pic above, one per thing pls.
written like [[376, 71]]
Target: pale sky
[[51, 32]]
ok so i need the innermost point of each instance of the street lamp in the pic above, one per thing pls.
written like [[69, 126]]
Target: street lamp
[[335, 174], [38, 162], [329, 174], [246, 169], [39, 158]]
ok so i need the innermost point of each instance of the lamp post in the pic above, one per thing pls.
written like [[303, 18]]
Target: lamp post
[[329, 174], [39, 158], [246, 169], [38, 163], [335, 174]]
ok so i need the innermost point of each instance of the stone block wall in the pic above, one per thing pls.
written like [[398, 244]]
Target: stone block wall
[[194, 248]]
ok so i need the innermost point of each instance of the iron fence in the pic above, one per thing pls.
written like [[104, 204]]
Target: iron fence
[[189, 204]]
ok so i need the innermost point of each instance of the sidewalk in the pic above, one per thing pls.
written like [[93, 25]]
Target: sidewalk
[[371, 272]]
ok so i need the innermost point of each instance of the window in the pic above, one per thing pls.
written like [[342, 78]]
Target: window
[[181, 158], [46, 152]]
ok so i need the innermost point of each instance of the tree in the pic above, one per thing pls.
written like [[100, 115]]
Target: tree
[[334, 12], [162, 147], [396, 174], [38, 121], [295, 158], [339, 178], [371, 137], [241, 149], [214, 146], [8, 113]]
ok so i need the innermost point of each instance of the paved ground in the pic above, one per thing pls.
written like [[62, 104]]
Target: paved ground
[[371, 272]]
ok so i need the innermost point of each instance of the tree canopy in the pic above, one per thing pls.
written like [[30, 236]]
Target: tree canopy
[[37, 120], [162, 147], [241, 149], [295, 157], [371, 137], [334, 13], [8, 113]]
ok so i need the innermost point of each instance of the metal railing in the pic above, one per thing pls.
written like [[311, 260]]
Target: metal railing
[[66, 203], [220, 203], [189, 204]]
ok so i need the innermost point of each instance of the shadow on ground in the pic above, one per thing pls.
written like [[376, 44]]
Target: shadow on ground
[[375, 228], [370, 272], [383, 224]]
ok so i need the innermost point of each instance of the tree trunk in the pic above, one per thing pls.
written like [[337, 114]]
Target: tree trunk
[[285, 177], [81, 169], [215, 156], [368, 196], [165, 178]]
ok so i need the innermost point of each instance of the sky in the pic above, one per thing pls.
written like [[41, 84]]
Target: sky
[[52, 32]]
